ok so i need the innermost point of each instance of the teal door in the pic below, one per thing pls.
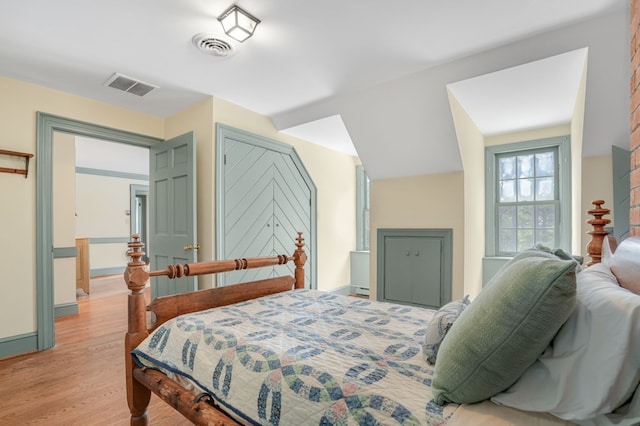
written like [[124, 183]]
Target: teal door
[[172, 212], [266, 200], [621, 159]]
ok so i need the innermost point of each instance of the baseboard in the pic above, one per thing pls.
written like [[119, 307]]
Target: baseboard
[[65, 310], [20, 344], [344, 290], [107, 271]]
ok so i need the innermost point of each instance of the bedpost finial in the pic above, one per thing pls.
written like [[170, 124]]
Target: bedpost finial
[[135, 275], [299, 259], [594, 247]]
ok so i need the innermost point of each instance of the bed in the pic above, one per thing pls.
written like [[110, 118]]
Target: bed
[[274, 352]]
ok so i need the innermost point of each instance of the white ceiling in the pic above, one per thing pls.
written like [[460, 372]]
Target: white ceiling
[[324, 71]]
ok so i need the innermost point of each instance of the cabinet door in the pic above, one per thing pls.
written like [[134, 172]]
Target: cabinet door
[[414, 267]]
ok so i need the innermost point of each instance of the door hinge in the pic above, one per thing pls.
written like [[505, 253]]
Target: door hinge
[[225, 159]]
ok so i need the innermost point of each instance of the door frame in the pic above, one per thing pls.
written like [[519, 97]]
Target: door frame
[[142, 191], [223, 131], [47, 125]]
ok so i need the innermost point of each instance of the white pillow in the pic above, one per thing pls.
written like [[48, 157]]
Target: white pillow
[[591, 367], [626, 264], [439, 326]]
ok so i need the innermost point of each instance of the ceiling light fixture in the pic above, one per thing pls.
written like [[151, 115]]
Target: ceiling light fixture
[[238, 23]]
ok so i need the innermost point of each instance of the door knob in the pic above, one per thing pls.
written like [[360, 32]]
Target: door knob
[[189, 248]]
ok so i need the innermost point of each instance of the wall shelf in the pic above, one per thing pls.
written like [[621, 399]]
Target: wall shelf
[[26, 157]]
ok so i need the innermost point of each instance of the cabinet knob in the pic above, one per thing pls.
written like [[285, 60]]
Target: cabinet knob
[[417, 253]]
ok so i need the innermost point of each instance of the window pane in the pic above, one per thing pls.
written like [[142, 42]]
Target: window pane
[[545, 164], [525, 239], [507, 217], [546, 237], [525, 217], [507, 191], [507, 241], [545, 189], [545, 216], [525, 189], [525, 166], [507, 168]]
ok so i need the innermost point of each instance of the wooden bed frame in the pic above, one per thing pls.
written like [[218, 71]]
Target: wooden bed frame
[[140, 382]]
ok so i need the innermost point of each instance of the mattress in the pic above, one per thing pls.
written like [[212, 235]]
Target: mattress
[[304, 357]]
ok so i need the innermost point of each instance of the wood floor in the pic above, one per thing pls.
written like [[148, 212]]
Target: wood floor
[[81, 380]]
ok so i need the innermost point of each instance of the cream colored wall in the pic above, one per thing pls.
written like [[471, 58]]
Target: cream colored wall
[[101, 205], [18, 106], [435, 201], [471, 143], [597, 184], [64, 203], [577, 184]]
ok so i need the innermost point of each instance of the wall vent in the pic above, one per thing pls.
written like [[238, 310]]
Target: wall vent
[[129, 85]]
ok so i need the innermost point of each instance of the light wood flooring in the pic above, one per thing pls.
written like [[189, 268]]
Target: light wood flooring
[[81, 380]]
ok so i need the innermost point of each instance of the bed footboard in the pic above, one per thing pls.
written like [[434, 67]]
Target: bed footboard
[[141, 382]]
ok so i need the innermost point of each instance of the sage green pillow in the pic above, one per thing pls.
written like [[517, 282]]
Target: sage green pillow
[[505, 328]]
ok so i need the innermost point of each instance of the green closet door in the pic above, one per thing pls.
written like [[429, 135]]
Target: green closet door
[[266, 202], [172, 213], [621, 161], [414, 266]]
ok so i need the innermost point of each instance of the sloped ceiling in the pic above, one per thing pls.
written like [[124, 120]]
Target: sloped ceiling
[[331, 72]]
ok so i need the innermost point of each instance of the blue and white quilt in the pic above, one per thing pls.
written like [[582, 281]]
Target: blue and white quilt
[[304, 357]]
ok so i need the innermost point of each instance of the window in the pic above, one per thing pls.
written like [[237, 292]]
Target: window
[[527, 196], [362, 209]]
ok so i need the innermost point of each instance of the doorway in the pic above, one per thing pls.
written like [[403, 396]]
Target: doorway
[[47, 125]]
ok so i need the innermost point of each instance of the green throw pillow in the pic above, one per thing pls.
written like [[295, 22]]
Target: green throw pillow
[[505, 328]]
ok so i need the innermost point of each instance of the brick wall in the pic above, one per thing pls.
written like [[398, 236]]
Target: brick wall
[[635, 118]]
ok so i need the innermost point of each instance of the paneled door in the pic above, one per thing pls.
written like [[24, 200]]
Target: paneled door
[[266, 200], [172, 213]]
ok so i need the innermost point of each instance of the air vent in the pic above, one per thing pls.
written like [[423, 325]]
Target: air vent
[[129, 85], [213, 44]]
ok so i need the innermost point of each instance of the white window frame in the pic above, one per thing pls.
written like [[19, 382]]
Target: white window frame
[[563, 145]]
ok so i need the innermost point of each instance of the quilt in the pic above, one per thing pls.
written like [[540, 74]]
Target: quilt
[[304, 357]]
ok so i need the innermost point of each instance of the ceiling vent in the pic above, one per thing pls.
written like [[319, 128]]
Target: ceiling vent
[[213, 44], [129, 85]]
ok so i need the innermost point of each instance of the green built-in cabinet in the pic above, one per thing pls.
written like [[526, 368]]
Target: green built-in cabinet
[[414, 266]]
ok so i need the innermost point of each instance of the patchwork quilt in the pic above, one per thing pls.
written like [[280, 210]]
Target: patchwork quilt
[[304, 357]]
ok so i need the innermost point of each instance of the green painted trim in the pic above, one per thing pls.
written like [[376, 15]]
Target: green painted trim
[[46, 126], [62, 252], [223, 131], [563, 143], [443, 234], [109, 240], [344, 290], [19, 344], [362, 240], [66, 310], [491, 265], [111, 173], [114, 270], [134, 191]]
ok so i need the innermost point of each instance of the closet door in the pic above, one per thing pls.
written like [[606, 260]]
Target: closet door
[[266, 202], [414, 266]]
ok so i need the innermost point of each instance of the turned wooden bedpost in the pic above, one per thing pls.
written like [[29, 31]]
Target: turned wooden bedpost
[[594, 247], [136, 278], [299, 259]]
